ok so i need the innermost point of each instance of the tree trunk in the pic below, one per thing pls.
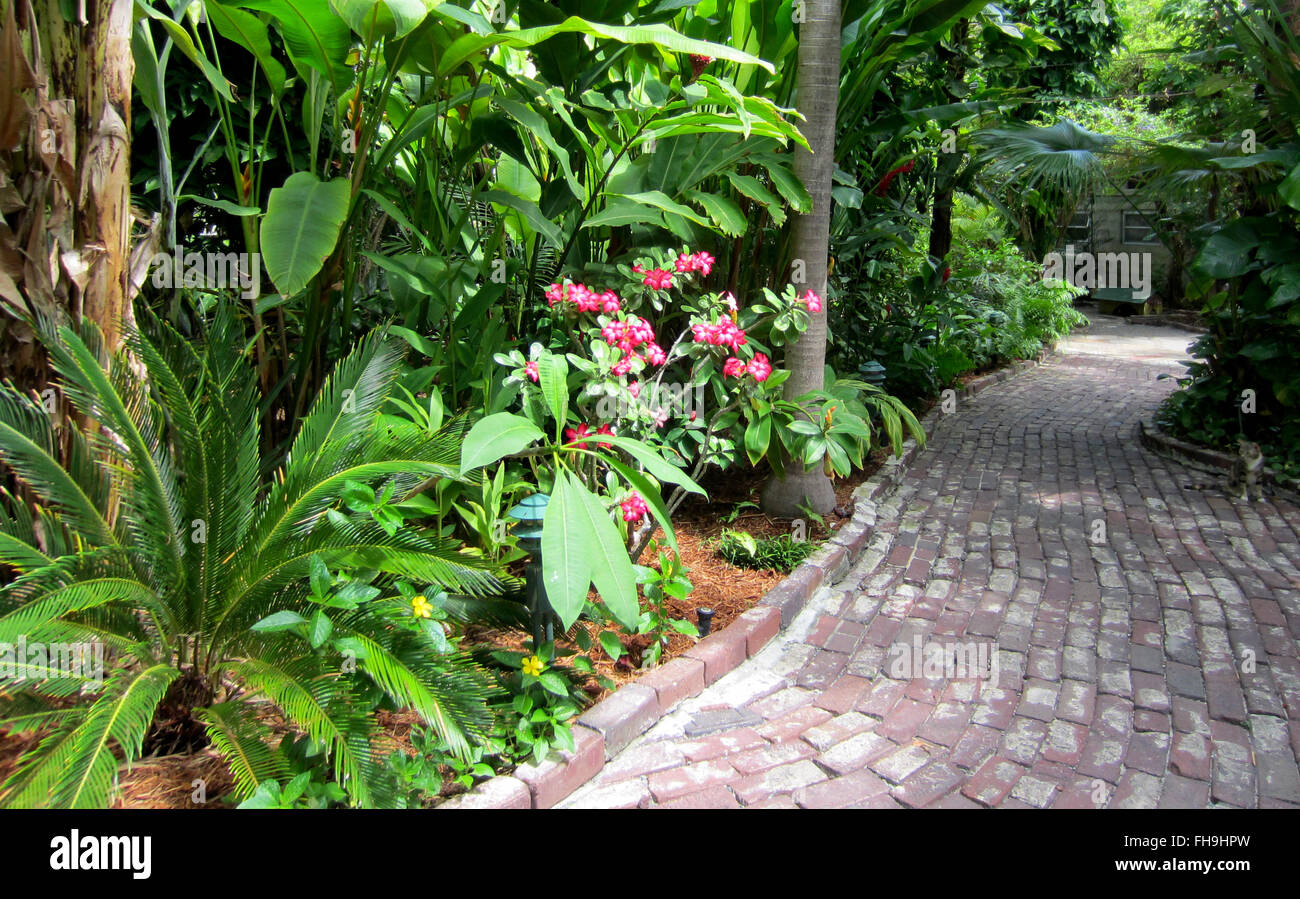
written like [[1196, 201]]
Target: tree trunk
[[818, 101], [947, 164], [65, 125]]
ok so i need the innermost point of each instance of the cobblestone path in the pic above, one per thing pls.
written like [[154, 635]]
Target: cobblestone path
[[1152, 665]]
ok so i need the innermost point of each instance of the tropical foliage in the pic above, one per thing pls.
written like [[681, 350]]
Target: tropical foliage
[[383, 269]]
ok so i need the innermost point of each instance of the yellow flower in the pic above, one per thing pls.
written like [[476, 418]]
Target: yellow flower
[[421, 607], [533, 665]]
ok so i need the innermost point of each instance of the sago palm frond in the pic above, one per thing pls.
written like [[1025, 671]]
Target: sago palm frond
[[119, 718], [244, 743], [28, 446], [317, 701]]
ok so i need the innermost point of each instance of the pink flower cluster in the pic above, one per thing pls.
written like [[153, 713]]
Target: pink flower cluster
[[634, 508], [724, 333], [585, 299], [530, 369], [658, 279], [760, 367], [628, 335], [695, 262]]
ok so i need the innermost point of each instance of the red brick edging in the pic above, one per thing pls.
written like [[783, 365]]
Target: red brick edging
[[610, 725]]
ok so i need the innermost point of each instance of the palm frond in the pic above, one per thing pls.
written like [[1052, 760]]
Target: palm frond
[[318, 702], [150, 494], [244, 743], [1062, 157], [448, 692], [120, 717], [28, 446]]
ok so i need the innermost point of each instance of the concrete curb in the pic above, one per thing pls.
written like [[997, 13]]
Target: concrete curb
[[611, 724], [1202, 458]]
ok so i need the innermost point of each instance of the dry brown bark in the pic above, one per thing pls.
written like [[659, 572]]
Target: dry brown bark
[[65, 213]]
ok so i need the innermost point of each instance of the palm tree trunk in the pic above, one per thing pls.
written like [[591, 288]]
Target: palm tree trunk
[[68, 153], [818, 101]]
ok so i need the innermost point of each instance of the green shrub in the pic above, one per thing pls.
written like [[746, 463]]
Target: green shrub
[[781, 553], [222, 586]]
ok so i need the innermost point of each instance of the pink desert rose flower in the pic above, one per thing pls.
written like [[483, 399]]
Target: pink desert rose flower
[[812, 301], [695, 262], [733, 368], [658, 279], [634, 508], [660, 416], [624, 365], [609, 302], [608, 431], [760, 367], [530, 369], [635, 389], [655, 354], [629, 333], [724, 333]]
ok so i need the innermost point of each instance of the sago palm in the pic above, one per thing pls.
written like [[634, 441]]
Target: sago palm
[[161, 541]]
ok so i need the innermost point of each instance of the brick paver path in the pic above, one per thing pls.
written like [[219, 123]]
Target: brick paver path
[[1156, 666]]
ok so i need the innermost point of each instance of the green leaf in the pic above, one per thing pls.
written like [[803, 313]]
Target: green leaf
[[611, 568], [249, 32], [320, 629], [612, 645], [280, 621], [724, 212], [183, 42], [757, 437], [754, 189], [315, 37], [224, 205], [529, 209], [659, 200], [372, 19], [497, 436], [1226, 254], [789, 187], [1289, 189], [301, 228], [552, 377], [320, 577], [554, 682], [567, 539]]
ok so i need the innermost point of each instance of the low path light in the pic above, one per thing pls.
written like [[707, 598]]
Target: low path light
[[873, 373], [530, 513]]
